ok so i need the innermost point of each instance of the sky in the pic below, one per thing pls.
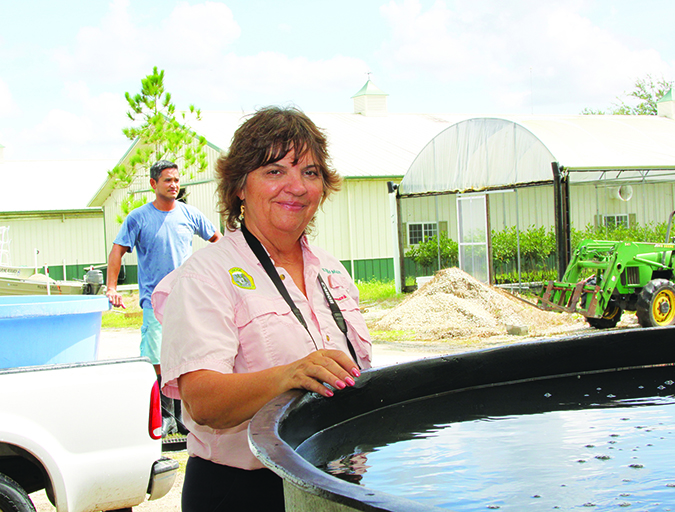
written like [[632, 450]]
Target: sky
[[65, 66]]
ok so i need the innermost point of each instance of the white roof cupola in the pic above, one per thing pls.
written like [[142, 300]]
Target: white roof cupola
[[370, 100], [665, 107]]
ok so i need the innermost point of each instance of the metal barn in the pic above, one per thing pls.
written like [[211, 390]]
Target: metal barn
[[369, 147]]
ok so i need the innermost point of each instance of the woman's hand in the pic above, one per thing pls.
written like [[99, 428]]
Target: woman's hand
[[226, 400], [331, 367]]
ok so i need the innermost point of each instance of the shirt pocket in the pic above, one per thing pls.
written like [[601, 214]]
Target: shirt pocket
[[269, 333]]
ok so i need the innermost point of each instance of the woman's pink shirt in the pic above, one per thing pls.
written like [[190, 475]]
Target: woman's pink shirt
[[220, 311]]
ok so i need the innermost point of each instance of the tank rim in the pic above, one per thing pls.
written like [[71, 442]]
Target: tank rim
[[291, 418]]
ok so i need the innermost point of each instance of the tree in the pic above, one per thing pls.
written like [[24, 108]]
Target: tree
[[160, 136], [646, 93]]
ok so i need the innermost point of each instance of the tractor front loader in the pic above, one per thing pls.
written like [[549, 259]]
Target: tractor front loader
[[604, 279]]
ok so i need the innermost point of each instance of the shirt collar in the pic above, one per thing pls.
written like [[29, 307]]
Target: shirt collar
[[240, 243]]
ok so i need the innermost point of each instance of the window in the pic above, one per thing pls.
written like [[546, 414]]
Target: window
[[421, 232], [617, 220]]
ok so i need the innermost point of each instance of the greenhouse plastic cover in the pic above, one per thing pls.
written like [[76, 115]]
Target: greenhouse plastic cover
[[491, 153]]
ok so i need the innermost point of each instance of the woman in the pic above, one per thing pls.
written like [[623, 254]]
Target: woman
[[237, 334]]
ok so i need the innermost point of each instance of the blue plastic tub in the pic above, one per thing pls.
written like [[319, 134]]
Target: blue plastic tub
[[39, 329]]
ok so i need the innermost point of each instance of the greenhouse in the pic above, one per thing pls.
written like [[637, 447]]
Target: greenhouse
[[487, 174]]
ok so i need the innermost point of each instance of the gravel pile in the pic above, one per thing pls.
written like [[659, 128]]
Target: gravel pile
[[455, 305]]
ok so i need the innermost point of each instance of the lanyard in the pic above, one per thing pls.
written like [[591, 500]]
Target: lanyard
[[267, 264]]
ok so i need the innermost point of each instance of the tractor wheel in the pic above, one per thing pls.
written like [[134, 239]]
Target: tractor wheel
[[609, 318], [656, 304]]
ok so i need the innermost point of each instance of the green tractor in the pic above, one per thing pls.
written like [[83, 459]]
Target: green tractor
[[604, 279]]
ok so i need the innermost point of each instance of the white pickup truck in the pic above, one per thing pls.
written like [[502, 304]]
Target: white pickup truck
[[88, 433]]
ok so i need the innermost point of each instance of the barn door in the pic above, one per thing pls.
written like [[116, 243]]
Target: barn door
[[472, 228]]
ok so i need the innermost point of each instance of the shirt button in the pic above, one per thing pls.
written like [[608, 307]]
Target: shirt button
[[327, 338], [282, 276]]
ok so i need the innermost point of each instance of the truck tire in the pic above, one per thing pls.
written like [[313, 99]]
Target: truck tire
[[609, 318], [656, 304], [12, 496]]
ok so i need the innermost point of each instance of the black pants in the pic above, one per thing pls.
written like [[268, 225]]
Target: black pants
[[211, 487]]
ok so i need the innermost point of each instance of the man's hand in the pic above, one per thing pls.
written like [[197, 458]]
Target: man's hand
[[115, 298], [114, 264]]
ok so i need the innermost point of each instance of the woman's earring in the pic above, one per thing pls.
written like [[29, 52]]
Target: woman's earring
[[241, 213]]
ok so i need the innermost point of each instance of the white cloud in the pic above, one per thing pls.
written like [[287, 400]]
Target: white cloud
[[193, 44], [7, 105], [250, 81], [92, 128], [496, 50], [270, 71], [113, 49], [120, 49], [194, 35]]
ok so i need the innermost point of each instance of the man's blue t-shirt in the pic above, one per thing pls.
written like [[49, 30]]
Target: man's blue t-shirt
[[163, 241]]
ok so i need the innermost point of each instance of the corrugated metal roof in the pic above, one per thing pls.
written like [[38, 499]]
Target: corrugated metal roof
[[484, 153], [58, 213], [606, 142], [360, 146]]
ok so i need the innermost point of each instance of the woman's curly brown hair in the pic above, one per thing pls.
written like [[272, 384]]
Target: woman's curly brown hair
[[264, 138]]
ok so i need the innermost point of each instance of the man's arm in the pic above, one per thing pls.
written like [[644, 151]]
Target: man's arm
[[114, 265], [216, 236]]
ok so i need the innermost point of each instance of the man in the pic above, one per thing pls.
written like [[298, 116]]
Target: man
[[162, 233]]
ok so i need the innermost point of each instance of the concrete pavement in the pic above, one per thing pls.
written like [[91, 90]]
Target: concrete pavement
[[119, 343]]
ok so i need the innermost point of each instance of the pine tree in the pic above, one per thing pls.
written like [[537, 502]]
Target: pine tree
[[160, 136]]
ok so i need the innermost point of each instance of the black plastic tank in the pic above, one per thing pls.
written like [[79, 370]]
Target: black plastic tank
[[298, 433]]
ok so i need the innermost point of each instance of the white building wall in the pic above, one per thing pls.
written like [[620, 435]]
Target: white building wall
[[331, 227], [534, 206], [60, 237], [424, 209], [354, 223], [650, 203]]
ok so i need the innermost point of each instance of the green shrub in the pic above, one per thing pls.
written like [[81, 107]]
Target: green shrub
[[426, 253], [533, 276], [651, 232], [538, 249]]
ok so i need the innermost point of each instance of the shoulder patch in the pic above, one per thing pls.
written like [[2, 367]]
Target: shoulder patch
[[242, 279]]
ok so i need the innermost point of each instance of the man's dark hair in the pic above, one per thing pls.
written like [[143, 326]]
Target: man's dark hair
[[159, 166]]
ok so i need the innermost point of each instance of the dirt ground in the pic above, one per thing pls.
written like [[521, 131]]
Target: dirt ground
[[452, 313], [456, 313]]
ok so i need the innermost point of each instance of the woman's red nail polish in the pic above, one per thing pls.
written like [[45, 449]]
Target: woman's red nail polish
[[356, 372], [340, 385], [350, 381]]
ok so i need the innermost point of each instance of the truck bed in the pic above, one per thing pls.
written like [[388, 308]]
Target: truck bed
[[85, 428]]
